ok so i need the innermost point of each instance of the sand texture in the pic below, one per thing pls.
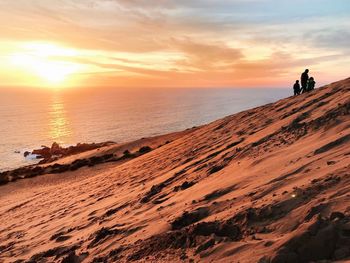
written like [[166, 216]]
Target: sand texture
[[270, 184]]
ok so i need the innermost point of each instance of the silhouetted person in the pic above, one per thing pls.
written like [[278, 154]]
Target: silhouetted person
[[304, 78], [296, 88], [311, 84]]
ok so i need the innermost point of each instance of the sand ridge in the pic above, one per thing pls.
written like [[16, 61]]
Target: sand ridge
[[270, 184]]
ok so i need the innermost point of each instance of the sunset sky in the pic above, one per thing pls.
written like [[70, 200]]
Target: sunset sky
[[182, 43]]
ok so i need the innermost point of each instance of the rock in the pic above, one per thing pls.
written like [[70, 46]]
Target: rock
[[55, 149], [95, 160], [36, 171], [205, 228], [48, 160], [78, 164], [107, 156], [145, 149], [228, 229], [26, 153], [50, 154], [188, 218], [44, 152], [59, 168], [221, 229], [4, 178]]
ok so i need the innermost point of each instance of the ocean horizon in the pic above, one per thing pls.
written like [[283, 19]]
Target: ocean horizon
[[35, 117]]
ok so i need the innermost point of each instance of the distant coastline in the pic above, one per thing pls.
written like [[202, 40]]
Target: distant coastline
[[70, 117]]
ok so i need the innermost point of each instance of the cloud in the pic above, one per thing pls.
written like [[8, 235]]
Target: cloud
[[337, 39], [205, 56], [228, 41]]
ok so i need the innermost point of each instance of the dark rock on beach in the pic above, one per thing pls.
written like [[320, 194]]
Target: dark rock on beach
[[50, 154]]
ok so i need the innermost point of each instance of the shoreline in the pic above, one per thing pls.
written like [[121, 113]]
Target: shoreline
[[92, 154], [102, 119]]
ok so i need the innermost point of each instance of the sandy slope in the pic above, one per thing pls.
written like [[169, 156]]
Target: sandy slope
[[271, 184]]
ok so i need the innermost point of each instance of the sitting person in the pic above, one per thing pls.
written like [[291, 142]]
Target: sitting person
[[311, 84], [296, 88]]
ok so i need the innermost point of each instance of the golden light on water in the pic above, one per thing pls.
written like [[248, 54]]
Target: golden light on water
[[59, 126]]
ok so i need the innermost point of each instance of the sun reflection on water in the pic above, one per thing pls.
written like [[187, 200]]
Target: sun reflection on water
[[58, 123]]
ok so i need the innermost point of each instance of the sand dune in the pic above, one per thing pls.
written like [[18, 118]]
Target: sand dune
[[271, 184]]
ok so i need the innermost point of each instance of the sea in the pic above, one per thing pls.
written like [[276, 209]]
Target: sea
[[30, 118]]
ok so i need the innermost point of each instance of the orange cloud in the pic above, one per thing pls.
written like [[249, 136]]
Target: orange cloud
[[173, 43]]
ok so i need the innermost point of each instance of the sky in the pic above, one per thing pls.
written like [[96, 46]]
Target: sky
[[174, 43]]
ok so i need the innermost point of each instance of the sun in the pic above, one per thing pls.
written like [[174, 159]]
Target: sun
[[53, 64]]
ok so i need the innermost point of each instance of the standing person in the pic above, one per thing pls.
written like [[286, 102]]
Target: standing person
[[311, 84], [296, 88], [304, 78]]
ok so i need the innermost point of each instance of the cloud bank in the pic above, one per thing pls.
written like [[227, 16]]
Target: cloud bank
[[207, 43]]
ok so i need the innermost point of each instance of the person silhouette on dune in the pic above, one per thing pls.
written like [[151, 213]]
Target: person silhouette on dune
[[311, 84], [296, 88], [304, 78]]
